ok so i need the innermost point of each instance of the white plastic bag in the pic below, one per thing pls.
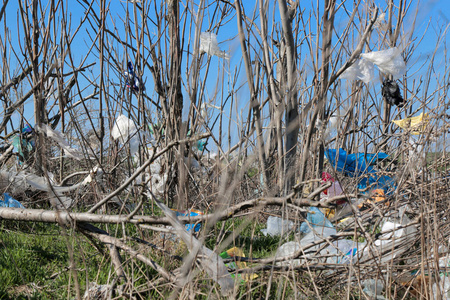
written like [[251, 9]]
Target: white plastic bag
[[277, 226], [60, 139], [209, 45], [123, 129], [361, 70], [389, 61]]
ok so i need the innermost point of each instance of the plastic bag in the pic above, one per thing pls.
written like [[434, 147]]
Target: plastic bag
[[362, 70], [443, 286], [123, 129], [209, 45], [373, 288], [389, 61], [277, 226], [60, 139], [315, 218], [132, 80], [9, 201], [391, 93], [415, 124]]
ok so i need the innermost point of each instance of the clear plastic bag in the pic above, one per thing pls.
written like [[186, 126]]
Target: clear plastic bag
[[361, 70]]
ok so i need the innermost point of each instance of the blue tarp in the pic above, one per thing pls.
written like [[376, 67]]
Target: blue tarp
[[359, 164]]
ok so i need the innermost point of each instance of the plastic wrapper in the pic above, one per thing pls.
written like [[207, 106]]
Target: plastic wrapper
[[234, 265], [209, 45], [391, 93]]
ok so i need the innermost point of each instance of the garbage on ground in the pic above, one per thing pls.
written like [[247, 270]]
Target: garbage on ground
[[209, 45], [314, 218], [377, 195], [133, 82], [96, 291], [234, 265], [358, 164], [277, 226], [9, 201], [416, 125], [389, 61], [190, 213], [373, 288], [211, 262], [125, 130], [444, 287], [24, 143], [391, 93]]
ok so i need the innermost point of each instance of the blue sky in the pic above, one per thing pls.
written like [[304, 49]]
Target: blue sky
[[433, 15]]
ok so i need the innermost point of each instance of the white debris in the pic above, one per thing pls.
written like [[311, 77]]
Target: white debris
[[362, 70], [60, 139], [389, 61], [125, 130], [209, 45]]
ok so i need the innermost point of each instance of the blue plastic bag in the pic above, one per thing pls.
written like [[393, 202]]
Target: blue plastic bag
[[358, 164], [315, 218], [9, 201]]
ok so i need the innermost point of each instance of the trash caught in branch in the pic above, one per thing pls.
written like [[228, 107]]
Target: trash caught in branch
[[389, 61], [209, 45], [391, 93], [60, 139], [416, 125], [133, 82], [125, 130]]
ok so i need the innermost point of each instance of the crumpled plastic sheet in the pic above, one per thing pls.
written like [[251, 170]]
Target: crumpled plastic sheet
[[277, 226], [125, 130], [9, 201], [358, 164], [209, 45], [362, 70], [416, 124], [60, 139], [315, 218], [389, 61]]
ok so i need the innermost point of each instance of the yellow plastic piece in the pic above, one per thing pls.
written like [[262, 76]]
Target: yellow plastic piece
[[415, 124]]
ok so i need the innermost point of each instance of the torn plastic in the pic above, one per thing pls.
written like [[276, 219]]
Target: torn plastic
[[391, 93], [362, 70], [9, 201], [358, 164], [315, 218], [125, 130], [389, 61], [277, 226], [238, 264], [60, 139], [190, 213], [209, 45], [416, 125], [444, 286], [373, 288], [133, 82], [211, 262]]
